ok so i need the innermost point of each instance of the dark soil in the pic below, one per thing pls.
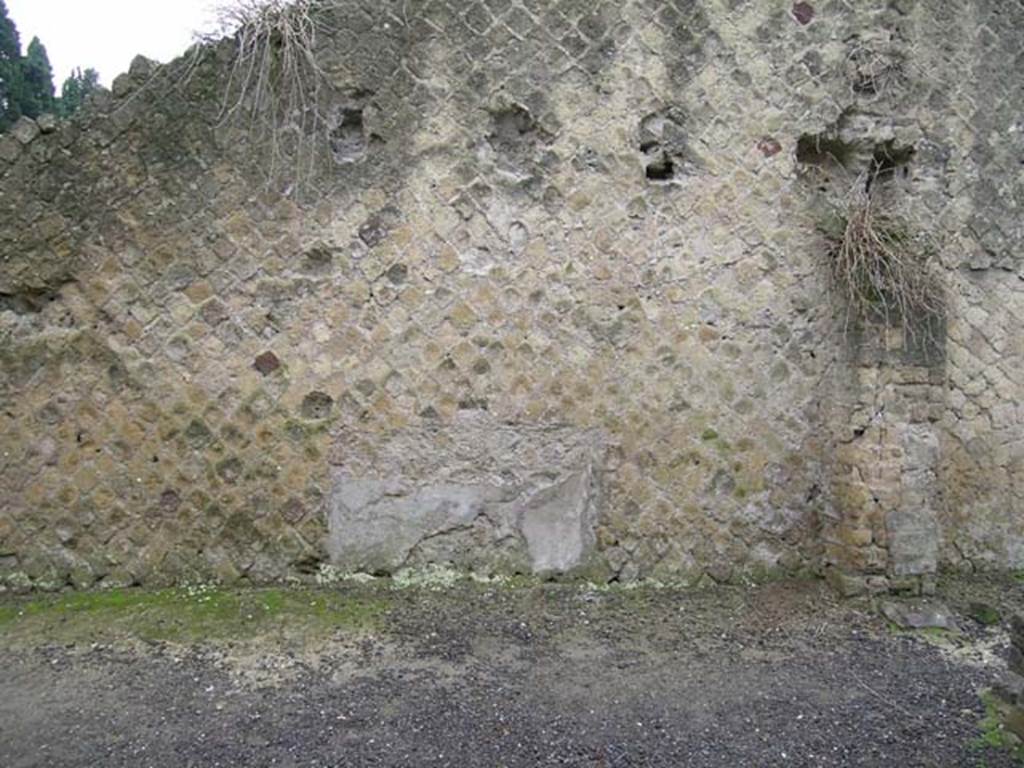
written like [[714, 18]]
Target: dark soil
[[779, 675]]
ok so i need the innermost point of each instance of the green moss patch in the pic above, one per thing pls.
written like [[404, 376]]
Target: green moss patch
[[993, 734], [188, 614]]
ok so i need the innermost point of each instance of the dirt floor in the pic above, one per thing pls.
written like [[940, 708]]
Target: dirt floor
[[783, 674]]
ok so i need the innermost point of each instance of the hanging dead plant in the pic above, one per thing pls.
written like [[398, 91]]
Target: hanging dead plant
[[881, 268], [275, 86]]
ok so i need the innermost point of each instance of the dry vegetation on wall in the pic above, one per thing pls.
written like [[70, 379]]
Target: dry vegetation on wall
[[274, 87], [880, 267], [878, 72]]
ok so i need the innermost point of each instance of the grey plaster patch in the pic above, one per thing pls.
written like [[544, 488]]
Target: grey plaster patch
[[913, 541], [557, 523], [920, 615], [912, 530], [475, 494]]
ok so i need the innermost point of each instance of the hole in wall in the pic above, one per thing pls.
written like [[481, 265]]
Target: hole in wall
[[517, 144], [661, 169], [510, 126], [889, 162], [31, 301], [316, 405], [348, 136], [318, 259], [822, 149], [662, 142]]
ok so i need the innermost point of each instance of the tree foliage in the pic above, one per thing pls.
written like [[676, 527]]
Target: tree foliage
[[75, 90], [10, 70], [37, 76], [26, 82]]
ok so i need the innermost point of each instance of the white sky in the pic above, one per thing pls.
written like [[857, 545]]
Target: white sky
[[107, 34]]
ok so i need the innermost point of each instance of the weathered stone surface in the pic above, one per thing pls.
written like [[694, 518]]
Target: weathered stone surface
[[847, 584], [316, 405], [1011, 688], [10, 148], [1015, 656], [266, 363], [123, 85], [913, 537], [1015, 660], [142, 67], [25, 130], [1017, 630], [919, 615], [47, 122], [601, 220], [375, 526], [476, 494], [558, 522]]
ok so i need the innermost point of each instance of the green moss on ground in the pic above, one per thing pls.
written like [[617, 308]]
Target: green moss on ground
[[188, 614], [993, 734]]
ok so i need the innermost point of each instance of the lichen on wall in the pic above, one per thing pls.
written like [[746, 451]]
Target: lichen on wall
[[595, 221]]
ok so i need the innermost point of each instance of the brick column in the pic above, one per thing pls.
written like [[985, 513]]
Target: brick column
[[882, 531]]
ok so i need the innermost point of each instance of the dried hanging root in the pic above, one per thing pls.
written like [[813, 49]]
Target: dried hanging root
[[883, 270], [275, 83]]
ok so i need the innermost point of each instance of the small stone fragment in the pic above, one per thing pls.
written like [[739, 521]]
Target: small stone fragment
[[266, 363], [142, 67], [122, 85], [769, 146], [847, 585], [919, 615], [66, 534], [214, 312], [721, 572], [1017, 630], [1015, 660], [318, 258], [293, 511], [25, 130], [1010, 688], [10, 149], [169, 501], [397, 274], [803, 13], [316, 405], [47, 122], [198, 435], [230, 470]]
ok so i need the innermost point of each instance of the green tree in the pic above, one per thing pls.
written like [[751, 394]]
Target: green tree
[[75, 90], [11, 86], [37, 77], [26, 83]]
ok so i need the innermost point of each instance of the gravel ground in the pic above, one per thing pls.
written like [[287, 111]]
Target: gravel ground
[[778, 675]]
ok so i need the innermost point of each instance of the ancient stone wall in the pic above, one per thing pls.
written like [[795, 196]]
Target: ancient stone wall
[[552, 298]]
